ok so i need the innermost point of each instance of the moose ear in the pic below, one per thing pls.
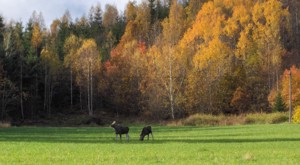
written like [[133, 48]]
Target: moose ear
[[114, 122]]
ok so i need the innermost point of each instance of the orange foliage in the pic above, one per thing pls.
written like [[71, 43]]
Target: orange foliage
[[295, 85], [142, 47]]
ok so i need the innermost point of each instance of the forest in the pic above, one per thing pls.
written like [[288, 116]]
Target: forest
[[159, 59]]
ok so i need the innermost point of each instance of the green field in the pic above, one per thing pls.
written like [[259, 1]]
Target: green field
[[251, 144]]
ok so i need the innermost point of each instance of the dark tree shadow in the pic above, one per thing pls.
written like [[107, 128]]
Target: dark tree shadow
[[106, 135]]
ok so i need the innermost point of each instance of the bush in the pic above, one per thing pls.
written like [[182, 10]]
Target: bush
[[279, 117], [296, 116], [256, 118], [202, 119], [5, 125], [262, 118]]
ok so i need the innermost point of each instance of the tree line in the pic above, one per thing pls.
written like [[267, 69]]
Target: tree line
[[160, 59]]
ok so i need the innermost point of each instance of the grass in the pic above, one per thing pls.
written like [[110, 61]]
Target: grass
[[219, 120], [245, 144]]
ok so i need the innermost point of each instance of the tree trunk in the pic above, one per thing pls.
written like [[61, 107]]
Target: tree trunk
[[50, 96], [171, 86], [88, 90], [277, 80], [297, 28], [71, 84], [45, 89], [3, 104], [290, 97], [36, 85], [269, 67], [91, 90], [21, 88], [80, 97]]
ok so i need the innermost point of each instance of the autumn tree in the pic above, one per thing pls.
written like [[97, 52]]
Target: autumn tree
[[88, 63], [71, 47], [130, 11], [170, 72], [111, 23], [51, 66], [110, 16], [268, 18], [295, 85], [207, 56], [36, 36]]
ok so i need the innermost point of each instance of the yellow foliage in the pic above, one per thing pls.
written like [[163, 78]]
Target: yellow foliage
[[296, 116], [174, 25], [36, 39], [50, 59], [204, 28], [213, 55], [88, 57]]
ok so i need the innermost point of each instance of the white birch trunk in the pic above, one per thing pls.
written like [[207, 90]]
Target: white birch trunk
[[171, 86]]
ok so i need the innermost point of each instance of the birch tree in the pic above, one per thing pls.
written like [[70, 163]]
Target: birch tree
[[71, 47], [88, 62], [172, 32]]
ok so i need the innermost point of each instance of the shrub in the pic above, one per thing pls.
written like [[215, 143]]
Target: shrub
[[262, 118], [296, 116], [279, 117], [202, 119], [5, 125], [255, 118]]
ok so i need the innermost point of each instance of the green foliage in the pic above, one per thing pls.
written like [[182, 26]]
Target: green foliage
[[171, 145], [279, 105], [1, 37]]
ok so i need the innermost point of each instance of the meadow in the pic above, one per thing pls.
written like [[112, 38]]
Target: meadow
[[242, 144]]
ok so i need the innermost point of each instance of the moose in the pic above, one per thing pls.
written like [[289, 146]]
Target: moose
[[119, 130], [146, 131]]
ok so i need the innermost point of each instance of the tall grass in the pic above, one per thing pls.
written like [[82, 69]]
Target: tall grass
[[256, 118], [5, 124]]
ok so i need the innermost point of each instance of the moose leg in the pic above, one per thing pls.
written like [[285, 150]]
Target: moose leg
[[152, 136], [127, 136], [116, 136]]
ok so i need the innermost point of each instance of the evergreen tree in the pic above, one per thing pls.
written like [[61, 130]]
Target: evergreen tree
[[1, 37], [279, 105]]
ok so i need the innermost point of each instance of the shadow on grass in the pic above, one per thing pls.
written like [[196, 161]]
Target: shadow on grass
[[133, 141], [106, 135], [95, 140]]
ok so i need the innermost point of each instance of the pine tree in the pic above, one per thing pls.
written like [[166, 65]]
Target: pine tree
[[279, 105]]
